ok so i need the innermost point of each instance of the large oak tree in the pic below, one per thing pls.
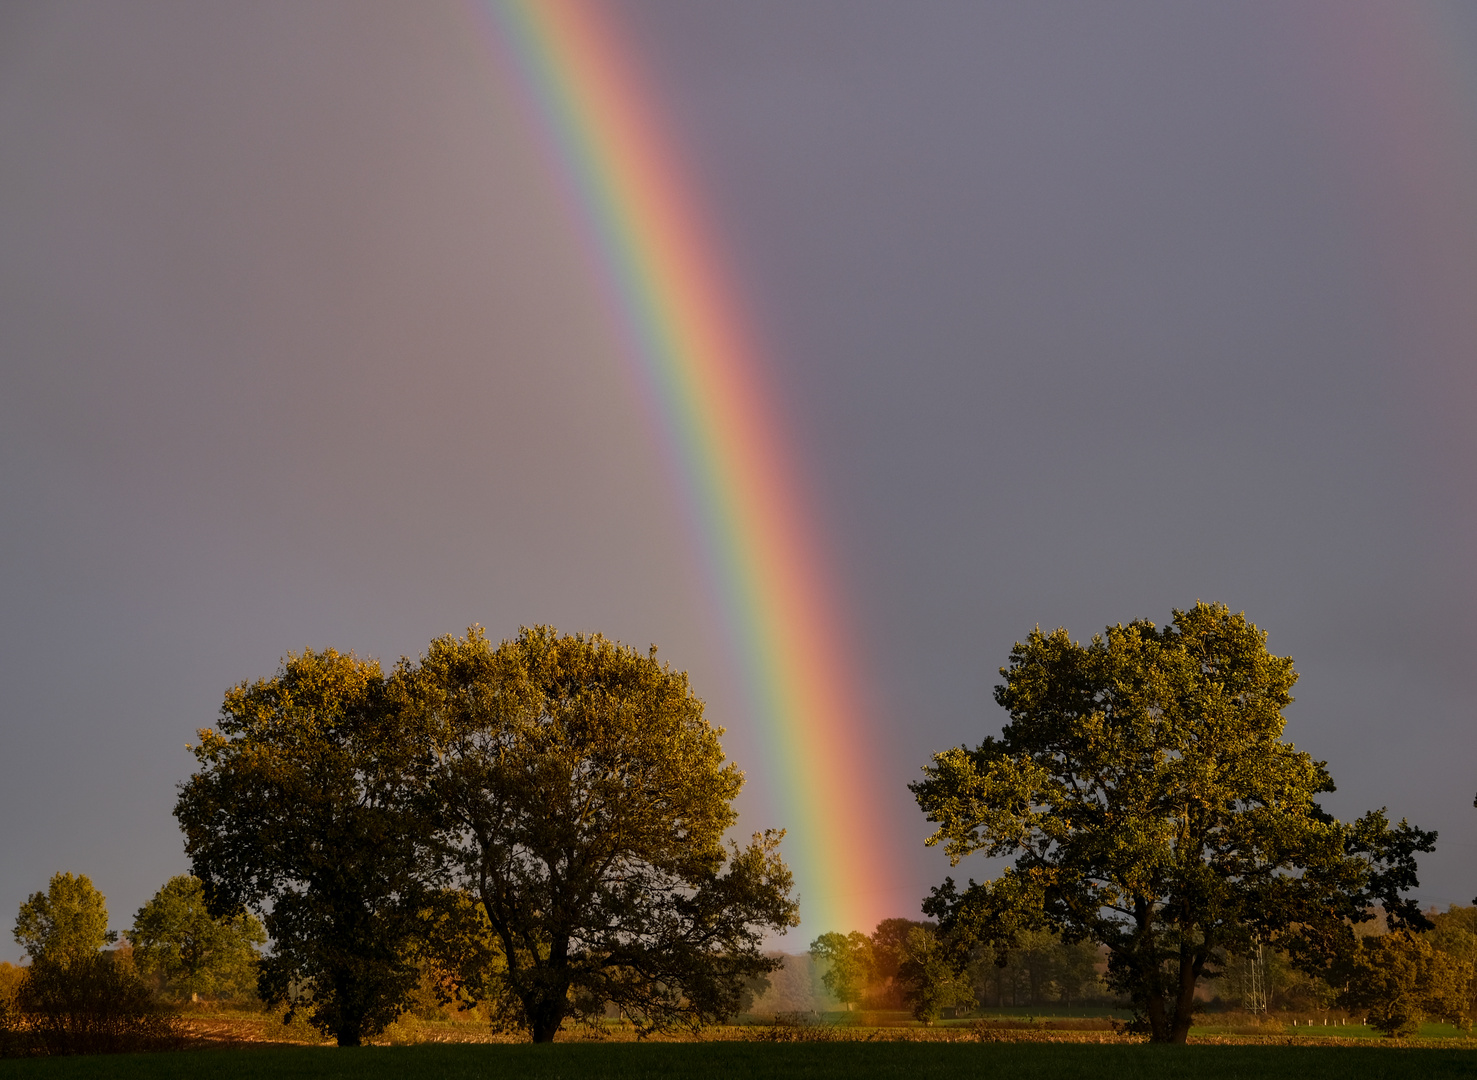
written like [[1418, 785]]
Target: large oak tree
[[300, 809], [1144, 788], [583, 798]]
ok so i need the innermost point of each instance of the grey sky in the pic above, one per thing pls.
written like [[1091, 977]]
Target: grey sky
[[1079, 313]]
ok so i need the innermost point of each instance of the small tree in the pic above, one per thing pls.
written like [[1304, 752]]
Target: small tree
[[928, 977], [1153, 807], [849, 965], [300, 809], [582, 798], [889, 950], [1455, 934], [176, 939], [66, 923], [1400, 979]]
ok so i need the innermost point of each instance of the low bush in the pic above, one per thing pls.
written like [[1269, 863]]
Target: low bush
[[91, 1005], [406, 1031], [11, 978]]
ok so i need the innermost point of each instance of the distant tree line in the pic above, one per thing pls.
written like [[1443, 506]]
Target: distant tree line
[[1394, 979], [1039, 969]]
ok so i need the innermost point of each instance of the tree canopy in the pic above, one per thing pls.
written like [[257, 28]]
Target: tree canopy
[[582, 797], [849, 964], [901, 964], [66, 923], [300, 809], [1401, 978], [930, 980], [176, 938], [1151, 804]]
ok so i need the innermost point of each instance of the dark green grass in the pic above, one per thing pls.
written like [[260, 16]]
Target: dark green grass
[[759, 1061]]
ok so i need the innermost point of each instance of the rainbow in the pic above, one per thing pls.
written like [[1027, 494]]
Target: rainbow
[[1395, 95], [698, 362]]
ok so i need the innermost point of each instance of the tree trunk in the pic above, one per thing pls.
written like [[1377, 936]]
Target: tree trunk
[[348, 1027], [546, 1017], [348, 1016], [1184, 1006], [1158, 1019]]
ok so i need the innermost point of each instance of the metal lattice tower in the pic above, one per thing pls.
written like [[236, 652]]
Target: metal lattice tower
[[1256, 990]]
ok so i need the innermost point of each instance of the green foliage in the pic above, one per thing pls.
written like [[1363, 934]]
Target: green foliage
[[1454, 932], [68, 922], [11, 976], [888, 940], [1143, 785], [300, 808], [1394, 979], [849, 964], [1039, 967], [582, 799], [1074, 971], [461, 956], [12, 1038], [176, 939], [857, 967], [1401, 978], [927, 976], [888, 944], [1034, 953]]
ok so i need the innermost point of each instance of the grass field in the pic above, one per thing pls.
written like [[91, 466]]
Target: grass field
[[745, 1061]]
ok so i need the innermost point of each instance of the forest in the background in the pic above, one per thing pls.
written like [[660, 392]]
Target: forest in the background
[[1428, 973], [178, 962]]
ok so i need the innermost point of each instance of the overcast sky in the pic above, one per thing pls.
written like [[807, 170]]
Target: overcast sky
[[1078, 313]]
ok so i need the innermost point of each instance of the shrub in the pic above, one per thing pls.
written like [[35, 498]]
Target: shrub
[[11, 1040], [91, 1005], [406, 1031]]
